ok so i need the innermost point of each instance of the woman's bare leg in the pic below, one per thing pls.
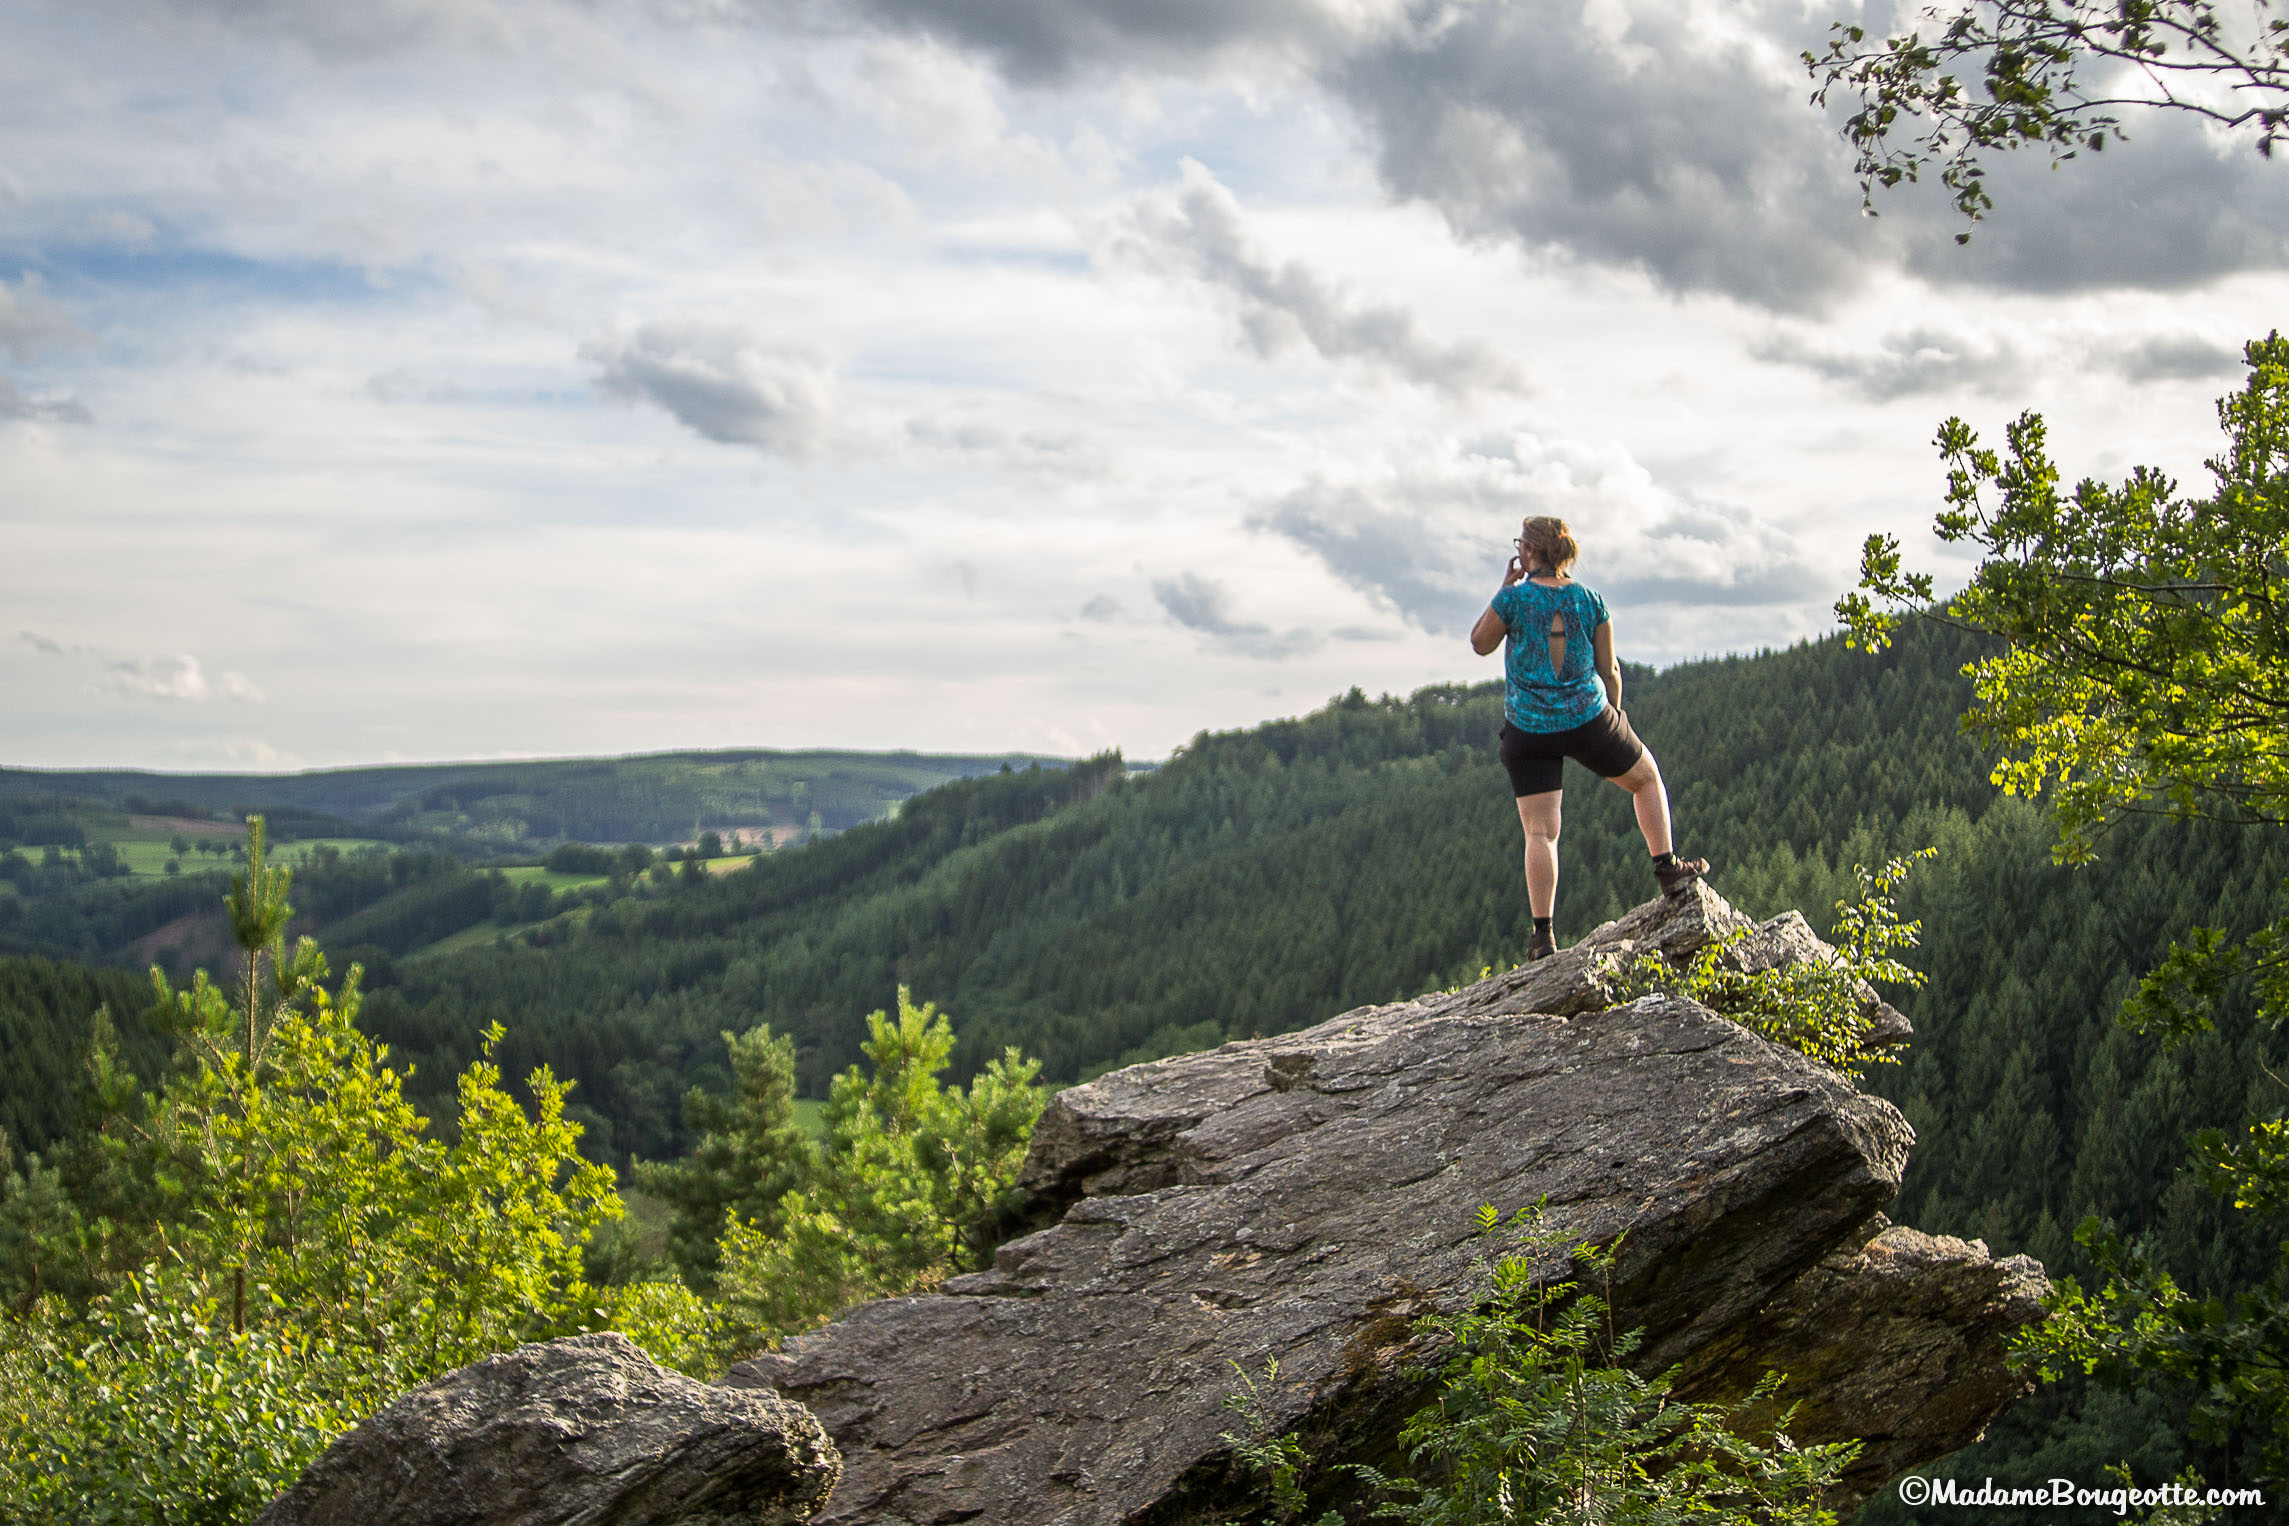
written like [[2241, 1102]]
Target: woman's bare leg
[[1538, 814], [1651, 798]]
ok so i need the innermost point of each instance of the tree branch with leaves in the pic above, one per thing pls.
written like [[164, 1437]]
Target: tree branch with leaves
[[1999, 75], [2144, 667]]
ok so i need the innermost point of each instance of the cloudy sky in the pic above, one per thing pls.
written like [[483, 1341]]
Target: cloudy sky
[[424, 379]]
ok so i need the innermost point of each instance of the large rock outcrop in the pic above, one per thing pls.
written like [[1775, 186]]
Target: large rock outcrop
[[1898, 1342], [575, 1432], [1304, 1197]]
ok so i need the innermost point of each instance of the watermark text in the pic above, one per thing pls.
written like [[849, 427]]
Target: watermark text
[[1916, 1489]]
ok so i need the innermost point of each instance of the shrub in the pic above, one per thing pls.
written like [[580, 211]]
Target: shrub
[[151, 1413], [1539, 1422], [580, 858], [1816, 1007], [311, 1250], [918, 1180]]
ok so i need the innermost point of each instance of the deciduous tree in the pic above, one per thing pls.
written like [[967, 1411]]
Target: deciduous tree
[[2145, 668]]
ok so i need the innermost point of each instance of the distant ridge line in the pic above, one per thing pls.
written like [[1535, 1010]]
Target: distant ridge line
[[720, 754]]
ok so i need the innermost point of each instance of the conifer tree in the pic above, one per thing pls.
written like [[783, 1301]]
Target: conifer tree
[[751, 1151], [917, 1181]]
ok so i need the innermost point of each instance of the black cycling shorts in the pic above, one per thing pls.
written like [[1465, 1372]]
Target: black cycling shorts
[[1536, 760]]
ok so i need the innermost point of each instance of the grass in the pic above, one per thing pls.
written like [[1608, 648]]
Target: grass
[[532, 874], [480, 936], [146, 856], [485, 933], [146, 853]]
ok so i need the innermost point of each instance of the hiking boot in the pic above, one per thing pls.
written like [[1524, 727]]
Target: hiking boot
[[1679, 872], [1543, 946]]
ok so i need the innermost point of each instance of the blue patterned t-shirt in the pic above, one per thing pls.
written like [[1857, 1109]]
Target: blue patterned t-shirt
[[1535, 698]]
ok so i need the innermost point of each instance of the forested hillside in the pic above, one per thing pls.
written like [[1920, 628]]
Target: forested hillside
[[44, 1011], [1270, 878], [1263, 880], [654, 798]]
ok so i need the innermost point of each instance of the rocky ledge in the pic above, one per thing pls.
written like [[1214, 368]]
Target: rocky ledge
[[1299, 1199], [1303, 1198]]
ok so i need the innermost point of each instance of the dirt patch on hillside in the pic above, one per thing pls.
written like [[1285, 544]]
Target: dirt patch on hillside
[[200, 940]]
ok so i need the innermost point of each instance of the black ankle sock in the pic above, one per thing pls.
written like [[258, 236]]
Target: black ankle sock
[[1542, 927], [1664, 860]]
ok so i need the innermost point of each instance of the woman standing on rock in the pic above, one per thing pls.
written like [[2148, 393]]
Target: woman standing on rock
[[1556, 707]]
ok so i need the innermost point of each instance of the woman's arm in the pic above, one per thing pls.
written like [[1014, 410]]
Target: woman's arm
[[1609, 671], [1487, 634]]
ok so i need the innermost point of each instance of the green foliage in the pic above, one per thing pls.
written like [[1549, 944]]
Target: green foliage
[[1540, 1420], [2054, 73], [579, 858], [2138, 1324], [307, 1247], [2147, 656], [1278, 1459], [1259, 882], [310, 1181], [2146, 671], [45, 1010], [1266, 878], [751, 1151], [918, 1180], [150, 1412], [1819, 1008], [654, 798]]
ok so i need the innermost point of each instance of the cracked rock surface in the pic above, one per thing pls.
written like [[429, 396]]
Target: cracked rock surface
[[1304, 1197]]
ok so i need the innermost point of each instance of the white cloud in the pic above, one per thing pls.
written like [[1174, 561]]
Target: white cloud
[[1279, 303], [2170, 357], [725, 382], [943, 108], [170, 677], [1672, 137], [1052, 40], [31, 322], [240, 752], [164, 678], [1204, 605], [1046, 454], [14, 404], [122, 228], [1429, 538], [358, 299], [1906, 363], [31, 326]]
